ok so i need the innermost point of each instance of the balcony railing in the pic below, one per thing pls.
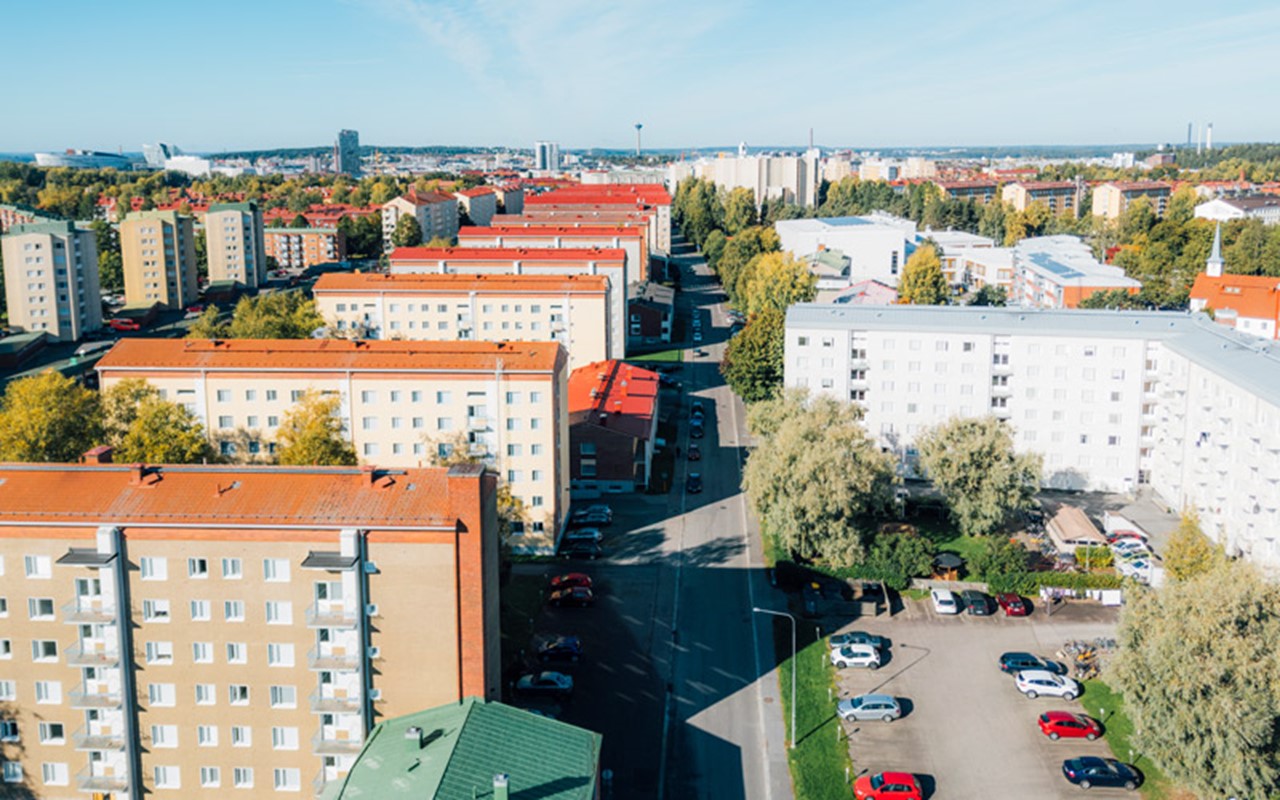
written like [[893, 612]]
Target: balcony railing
[[331, 662], [81, 656], [82, 698], [330, 617], [85, 740], [88, 611], [330, 746], [87, 781], [334, 705]]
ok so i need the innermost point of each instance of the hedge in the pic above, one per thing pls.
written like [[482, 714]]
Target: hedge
[[1029, 583]]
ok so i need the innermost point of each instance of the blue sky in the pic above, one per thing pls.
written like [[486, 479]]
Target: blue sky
[[865, 73]]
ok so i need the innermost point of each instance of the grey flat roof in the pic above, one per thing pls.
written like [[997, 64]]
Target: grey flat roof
[[319, 559], [1246, 361], [86, 557]]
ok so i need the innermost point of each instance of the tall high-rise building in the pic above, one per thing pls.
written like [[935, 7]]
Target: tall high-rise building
[[51, 279], [546, 156], [346, 153], [159, 253], [235, 244]]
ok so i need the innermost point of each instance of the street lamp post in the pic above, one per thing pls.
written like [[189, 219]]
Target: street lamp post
[[794, 666]]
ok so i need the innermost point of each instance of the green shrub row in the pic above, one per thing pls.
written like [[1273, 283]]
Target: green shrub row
[[1029, 583]]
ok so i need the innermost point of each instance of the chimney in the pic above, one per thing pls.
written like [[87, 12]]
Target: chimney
[[413, 733], [501, 790], [98, 455]]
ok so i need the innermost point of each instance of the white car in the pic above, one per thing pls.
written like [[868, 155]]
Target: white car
[[944, 601], [1127, 547], [1137, 568], [1036, 682], [856, 655]]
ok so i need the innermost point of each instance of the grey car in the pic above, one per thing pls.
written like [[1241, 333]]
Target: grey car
[[869, 706]]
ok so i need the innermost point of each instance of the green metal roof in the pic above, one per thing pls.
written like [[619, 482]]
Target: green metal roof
[[247, 206], [155, 213], [462, 746], [58, 227]]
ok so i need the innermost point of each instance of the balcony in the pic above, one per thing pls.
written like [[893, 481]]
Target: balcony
[[80, 656], [330, 616], [332, 746], [332, 662], [84, 740], [334, 705], [87, 781], [477, 423], [83, 698], [89, 611]]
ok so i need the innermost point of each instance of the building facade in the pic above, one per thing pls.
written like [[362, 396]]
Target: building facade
[[877, 245], [12, 214], [791, 178], [651, 310], [1110, 200], [570, 309], [1224, 209], [159, 253], [235, 244], [479, 204], [346, 153], [613, 426], [51, 279], [437, 215], [609, 204], [1060, 197], [630, 238], [195, 631], [1061, 272], [298, 248], [546, 157], [980, 192], [403, 404], [1114, 401]]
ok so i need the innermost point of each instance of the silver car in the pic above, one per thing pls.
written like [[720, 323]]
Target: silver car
[[869, 706]]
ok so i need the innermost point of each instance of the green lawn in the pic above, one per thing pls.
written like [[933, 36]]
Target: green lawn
[[1108, 707], [820, 760], [943, 533], [661, 355], [520, 602]]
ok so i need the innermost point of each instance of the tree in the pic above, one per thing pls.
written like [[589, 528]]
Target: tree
[[1112, 298], [110, 261], [971, 461], [164, 433], [299, 221], [311, 434], [753, 360], [713, 248], [408, 232], [119, 403], [207, 325], [739, 211], [923, 283], [899, 557], [990, 295], [1199, 666], [278, 315], [202, 253], [998, 556], [1189, 552], [453, 449], [440, 241], [775, 281], [48, 417]]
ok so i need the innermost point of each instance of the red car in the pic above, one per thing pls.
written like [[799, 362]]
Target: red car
[[888, 786], [1066, 725], [119, 324], [1013, 605], [570, 580], [1116, 536], [579, 596], [198, 308]]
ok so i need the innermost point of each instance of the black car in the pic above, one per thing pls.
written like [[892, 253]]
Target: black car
[[590, 520], [1092, 771], [695, 428], [694, 484], [582, 549], [1014, 663], [976, 603], [560, 648], [572, 596]]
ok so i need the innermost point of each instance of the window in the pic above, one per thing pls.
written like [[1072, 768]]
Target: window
[[535, 397], [241, 736], [535, 423], [164, 735], [202, 652], [207, 735], [12, 769], [155, 610], [284, 697], [4, 606], [535, 449], [368, 396], [159, 652], [39, 567], [224, 395], [52, 733], [279, 655], [55, 774], [287, 780], [226, 421], [232, 569], [275, 569], [233, 610], [167, 778], [8, 732], [206, 694], [210, 777], [802, 341], [161, 694], [279, 612], [44, 650], [236, 653], [242, 777], [8, 691], [238, 694], [200, 611], [197, 567], [40, 608], [49, 692], [1113, 440], [284, 738]]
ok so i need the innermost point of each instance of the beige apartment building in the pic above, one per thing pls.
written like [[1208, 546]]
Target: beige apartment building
[[235, 244], [203, 631], [403, 403], [1059, 197], [1110, 200], [299, 248], [631, 238], [437, 215], [159, 253], [51, 279], [570, 309]]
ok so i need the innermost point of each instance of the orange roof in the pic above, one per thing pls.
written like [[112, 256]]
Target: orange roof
[[1251, 296], [454, 282], [328, 355], [507, 254], [426, 198], [615, 395], [550, 216], [615, 194], [549, 231], [222, 496], [479, 191], [1139, 186], [1035, 186]]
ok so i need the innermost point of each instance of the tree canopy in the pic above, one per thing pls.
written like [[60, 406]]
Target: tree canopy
[[143, 427], [753, 361], [1189, 552], [275, 315], [311, 434], [48, 417], [408, 232], [739, 211], [923, 283], [774, 281]]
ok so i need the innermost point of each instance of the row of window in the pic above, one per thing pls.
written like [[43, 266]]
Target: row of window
[[442, 397], [154, 568], [943, 346], [164, 695], [443, 308], [278, 655]]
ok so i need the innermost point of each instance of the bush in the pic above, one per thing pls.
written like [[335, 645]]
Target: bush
[[997, 557], [1029, 583], [1094, 556]]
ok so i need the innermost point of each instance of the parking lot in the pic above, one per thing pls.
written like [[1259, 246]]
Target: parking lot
[[968, 732]]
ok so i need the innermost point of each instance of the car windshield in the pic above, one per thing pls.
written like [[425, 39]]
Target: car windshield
[[877, 781]]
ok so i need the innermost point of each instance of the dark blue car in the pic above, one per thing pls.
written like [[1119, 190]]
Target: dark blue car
[[1092, 771]]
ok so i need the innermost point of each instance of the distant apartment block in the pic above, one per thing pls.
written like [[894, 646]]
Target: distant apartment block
[[976, 267], [437, 215], [298, 248], [546, 157], [12, 214], [613, 425], [403, 403], [1060, 272], [1060, 197], [235, 244], [510, 200], [1265, 207], [205, 631], [1114, 400], [980, 192], [51, 279], [630, 238], [610, 204], [159, 252], [791, 178], [1110, 200], [479, 204], [609, 262], [877, 245], [1248, 303], [570, 309], [346, 153]]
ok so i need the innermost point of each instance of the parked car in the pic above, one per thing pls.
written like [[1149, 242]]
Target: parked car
[[1019, 661], [869, 706], [1138, 569], [585, 550], [944, 601], [553, 684], [696, 410], [856, 655], [120, 324], [694, 484], [695, 428], [590, 521], [1091, 771], [695, 453], [1036, 682], [888, 786], [595, 509], [1117, 535], [569, 580], [1066, 725], [857, 637], [560, 648], [583, 535], [1013, 605], [1129, 547], [573, 596], [197, 309], [976, 603], [697, 336]]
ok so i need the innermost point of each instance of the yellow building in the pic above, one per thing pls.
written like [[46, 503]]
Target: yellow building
[[51, 279], [235, 245], [1059, 197], [159, 252], [1110, 200]]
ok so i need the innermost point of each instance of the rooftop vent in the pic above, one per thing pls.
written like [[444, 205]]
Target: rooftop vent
[[413, 733]]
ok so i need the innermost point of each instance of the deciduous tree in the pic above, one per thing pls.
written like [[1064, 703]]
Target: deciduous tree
[[1189, 552], [311, 434], [110, 262], [775, 281], [923, 283], [48, 417], [752, 363], [408, 232], [278, 315], [739, 211], [163, 432], [998, 556]]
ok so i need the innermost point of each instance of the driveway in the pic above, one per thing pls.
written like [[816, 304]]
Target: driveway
[[969, 732]]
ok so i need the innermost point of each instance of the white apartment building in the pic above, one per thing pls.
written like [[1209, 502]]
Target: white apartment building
[[570, 309], [400, 402], [1224, 209], [1113, 400], [546, 157], [437, 215], [235, 244], [1060, 272], [976, 267], [51, 279], [794, 179], [877, 244]]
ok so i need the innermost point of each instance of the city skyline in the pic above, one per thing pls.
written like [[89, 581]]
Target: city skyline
[[696, 77]]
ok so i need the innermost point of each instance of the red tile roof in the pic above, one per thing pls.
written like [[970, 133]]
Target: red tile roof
[[328, 354], [949, 185], [1251, 296], [618, 194], [479, 191], [614, 395], [454, 282], [551, 231], [1040, 186], [507, 254], [426, 198]]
